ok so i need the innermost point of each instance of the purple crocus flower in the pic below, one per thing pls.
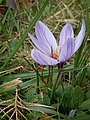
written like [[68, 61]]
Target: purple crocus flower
[[47, 51]]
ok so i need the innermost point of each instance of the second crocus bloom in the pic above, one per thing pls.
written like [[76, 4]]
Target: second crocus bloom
[[48, 51]]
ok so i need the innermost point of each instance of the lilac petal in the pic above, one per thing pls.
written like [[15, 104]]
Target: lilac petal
[[45, 36], [66, 32], [67, 50], [42, 58], [39, 45], [70, 48], [80, 37]]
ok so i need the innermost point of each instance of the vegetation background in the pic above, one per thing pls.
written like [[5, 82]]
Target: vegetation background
[[23, 94]]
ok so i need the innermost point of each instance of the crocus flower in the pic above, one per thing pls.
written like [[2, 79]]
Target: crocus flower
[[47, 51]]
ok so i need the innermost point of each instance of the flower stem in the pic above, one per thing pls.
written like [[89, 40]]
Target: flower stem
[[51, 77], [37, 78], [37, 84], [56, 84]]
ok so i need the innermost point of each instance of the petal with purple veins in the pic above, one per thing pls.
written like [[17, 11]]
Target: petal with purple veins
[[66, 32], [39, 45], [67, 50], [45, 36], [70, 47], [43, 59]]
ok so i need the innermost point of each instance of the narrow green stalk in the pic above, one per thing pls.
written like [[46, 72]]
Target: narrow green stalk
[[37, 83], [56, 84], [37, 78], [51, 77], [50, 80]]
